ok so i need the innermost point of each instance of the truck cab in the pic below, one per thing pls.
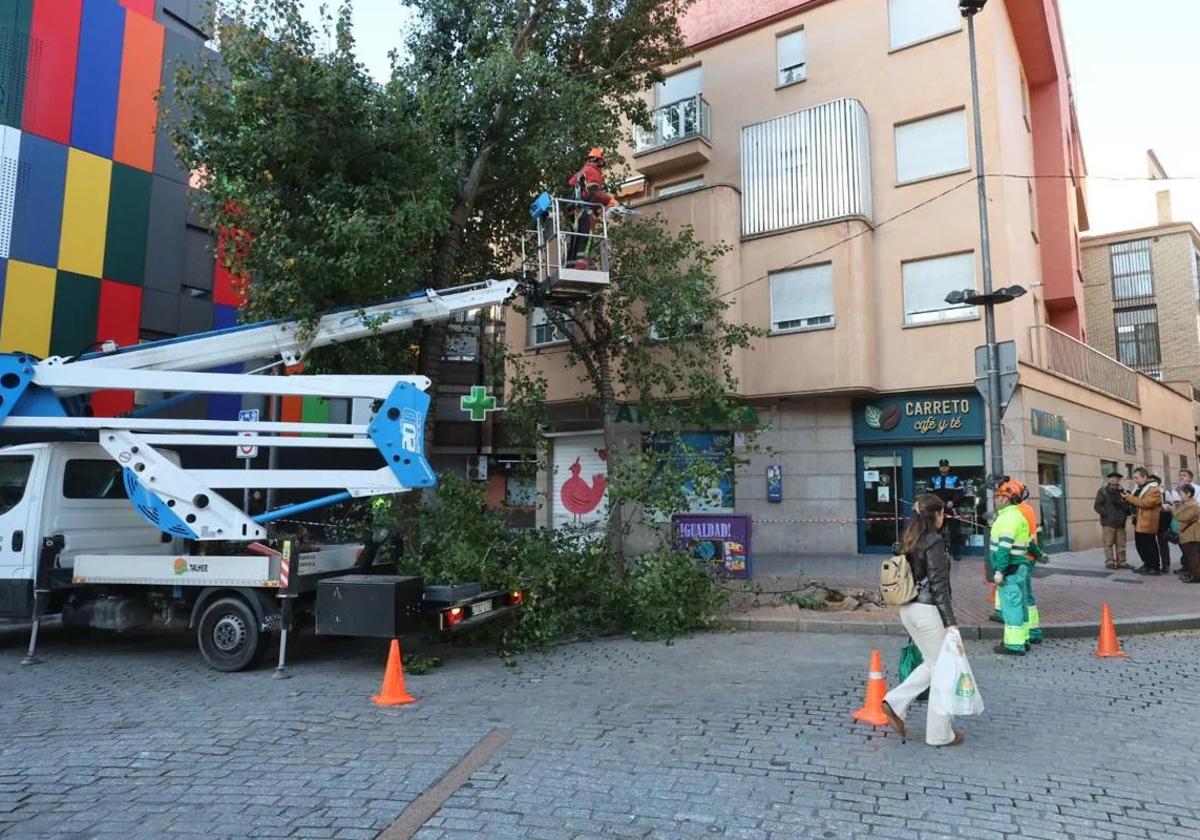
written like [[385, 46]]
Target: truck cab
[[70, 489]]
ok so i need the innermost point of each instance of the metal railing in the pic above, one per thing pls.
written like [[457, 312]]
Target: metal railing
[[674, 122], [1062, 355]]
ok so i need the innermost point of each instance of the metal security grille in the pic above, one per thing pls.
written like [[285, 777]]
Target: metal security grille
[[1137, 339], [1132, 273], [807, 167]]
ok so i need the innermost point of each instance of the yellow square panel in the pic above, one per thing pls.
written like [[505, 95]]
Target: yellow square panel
[[85, 214], [28, 309]]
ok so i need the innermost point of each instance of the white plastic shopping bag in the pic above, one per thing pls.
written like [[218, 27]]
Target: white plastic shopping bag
[[953, 690]]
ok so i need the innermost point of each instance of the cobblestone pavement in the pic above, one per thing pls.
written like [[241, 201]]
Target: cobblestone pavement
[[744, 735]]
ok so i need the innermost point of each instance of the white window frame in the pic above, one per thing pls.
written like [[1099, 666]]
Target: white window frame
[[822, 272], [679, 186], [551, 335], [800, 70], [924, 37], [952, 167], [949, 313]]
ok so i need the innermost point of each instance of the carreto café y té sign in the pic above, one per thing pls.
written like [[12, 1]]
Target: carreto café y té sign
[[919, 417]]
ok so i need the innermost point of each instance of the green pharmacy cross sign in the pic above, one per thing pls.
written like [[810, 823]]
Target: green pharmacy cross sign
[[478, 403]]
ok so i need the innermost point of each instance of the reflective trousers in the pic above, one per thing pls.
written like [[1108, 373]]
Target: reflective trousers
[[1013, 609]]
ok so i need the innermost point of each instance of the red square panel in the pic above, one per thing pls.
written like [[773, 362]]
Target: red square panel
[[118, 319], [142, 7]]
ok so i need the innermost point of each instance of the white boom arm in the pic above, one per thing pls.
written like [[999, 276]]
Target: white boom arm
[[181, 501]]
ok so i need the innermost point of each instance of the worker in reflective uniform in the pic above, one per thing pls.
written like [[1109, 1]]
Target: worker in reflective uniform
[[1008, 562], [587, 185], [1033, 622]]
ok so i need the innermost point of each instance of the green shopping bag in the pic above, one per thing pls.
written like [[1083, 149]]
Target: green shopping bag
[[910, 658]]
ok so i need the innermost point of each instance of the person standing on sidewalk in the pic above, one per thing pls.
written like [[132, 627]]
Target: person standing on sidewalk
[[1188, 514], [1114, 513], [1147, 498], [1009, 563], [1033, 617], [927, 618], [946, 486]]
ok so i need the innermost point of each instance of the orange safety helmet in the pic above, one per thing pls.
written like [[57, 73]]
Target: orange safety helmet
[[596, 153], [1014, 490]]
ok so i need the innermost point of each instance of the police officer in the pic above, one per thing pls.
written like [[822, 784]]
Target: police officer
[[946, 486]]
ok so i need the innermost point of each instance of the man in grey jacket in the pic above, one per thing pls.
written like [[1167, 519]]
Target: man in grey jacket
[[1114, 513]]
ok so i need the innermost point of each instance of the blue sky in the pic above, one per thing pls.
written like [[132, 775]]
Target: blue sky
[[1119, 51]]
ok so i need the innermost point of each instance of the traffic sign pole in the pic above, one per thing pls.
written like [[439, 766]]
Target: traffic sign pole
[[248, 453]]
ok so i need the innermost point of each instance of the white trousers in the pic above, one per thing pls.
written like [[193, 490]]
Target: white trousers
[[924, 623]]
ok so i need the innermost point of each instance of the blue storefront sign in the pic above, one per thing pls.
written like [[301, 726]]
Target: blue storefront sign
[[918, 418]]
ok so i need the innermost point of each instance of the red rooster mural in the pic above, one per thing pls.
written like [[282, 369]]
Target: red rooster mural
[[578, 496]]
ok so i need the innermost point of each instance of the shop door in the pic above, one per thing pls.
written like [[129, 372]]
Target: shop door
[[1052, 500], [884, 481]]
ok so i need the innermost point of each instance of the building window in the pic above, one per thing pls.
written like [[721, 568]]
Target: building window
[[520, 491], [1132, 276], [914, 21], [1107, 468], [1129, 438], [541, 331], [1183, 462], [802, 298], [931, 147], [790, 51], [1025, 104], [1033, 225], [463, 330], [1137, 338], [680, 186], [1196, 274], [927, 282], [678, 86]]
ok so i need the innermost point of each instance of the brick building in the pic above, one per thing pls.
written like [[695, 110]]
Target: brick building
[[1142, 288]]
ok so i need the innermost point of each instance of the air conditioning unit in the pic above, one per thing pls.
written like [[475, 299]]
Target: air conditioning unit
[[477, 467]]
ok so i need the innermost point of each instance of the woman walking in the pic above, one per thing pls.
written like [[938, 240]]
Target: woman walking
[[927, 618]]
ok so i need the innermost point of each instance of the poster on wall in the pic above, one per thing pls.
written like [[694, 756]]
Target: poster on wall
[[720, 543], [774, 483], [580, 488], [714, 448]]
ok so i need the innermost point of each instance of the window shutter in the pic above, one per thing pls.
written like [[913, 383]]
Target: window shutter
[[913, 21], [802, 293], [927, 282], [931, 146]]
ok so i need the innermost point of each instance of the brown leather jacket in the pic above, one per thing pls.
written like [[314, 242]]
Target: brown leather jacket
[[1148, 500]]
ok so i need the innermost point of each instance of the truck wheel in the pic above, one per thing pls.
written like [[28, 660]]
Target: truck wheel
[[229, 636]]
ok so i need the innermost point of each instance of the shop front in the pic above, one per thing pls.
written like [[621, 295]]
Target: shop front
[[899, 442]]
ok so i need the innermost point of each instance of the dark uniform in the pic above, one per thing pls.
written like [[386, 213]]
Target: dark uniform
[[949, 489]]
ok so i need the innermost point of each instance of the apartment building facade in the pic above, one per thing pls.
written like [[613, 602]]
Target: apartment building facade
[[1142, 291], [829, 142]]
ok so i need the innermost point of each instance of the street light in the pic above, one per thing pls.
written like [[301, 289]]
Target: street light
[[989, 298], [970, 297]]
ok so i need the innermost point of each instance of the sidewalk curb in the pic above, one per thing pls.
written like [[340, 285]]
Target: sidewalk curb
[[801, 624]]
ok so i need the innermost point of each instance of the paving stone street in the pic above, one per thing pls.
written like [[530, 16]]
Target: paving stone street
[[736, 735]]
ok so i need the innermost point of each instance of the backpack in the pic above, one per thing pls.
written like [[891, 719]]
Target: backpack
[[896, 583]]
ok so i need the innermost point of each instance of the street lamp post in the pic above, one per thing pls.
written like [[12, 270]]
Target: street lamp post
[[970, 8]]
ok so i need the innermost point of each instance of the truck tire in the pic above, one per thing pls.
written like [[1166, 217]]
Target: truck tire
[[229, 636]]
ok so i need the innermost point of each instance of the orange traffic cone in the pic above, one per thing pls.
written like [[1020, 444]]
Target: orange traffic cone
[[1108, 646], [872, 709], [392, 693]]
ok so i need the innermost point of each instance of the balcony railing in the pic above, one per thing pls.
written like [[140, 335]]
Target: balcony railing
[[687, 119], [1067, 357]]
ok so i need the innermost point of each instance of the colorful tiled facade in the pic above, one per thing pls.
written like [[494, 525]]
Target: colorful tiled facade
[[96, 238]]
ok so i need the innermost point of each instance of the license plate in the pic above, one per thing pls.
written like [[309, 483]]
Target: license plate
[[481, 608]]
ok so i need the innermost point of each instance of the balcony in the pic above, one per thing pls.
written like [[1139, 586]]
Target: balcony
[[680, 138], [1064, 356], [806, 168]]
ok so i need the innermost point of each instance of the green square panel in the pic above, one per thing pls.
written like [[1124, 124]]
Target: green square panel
[[314, 410], [128, 221], [76, 309], [16, 17]]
